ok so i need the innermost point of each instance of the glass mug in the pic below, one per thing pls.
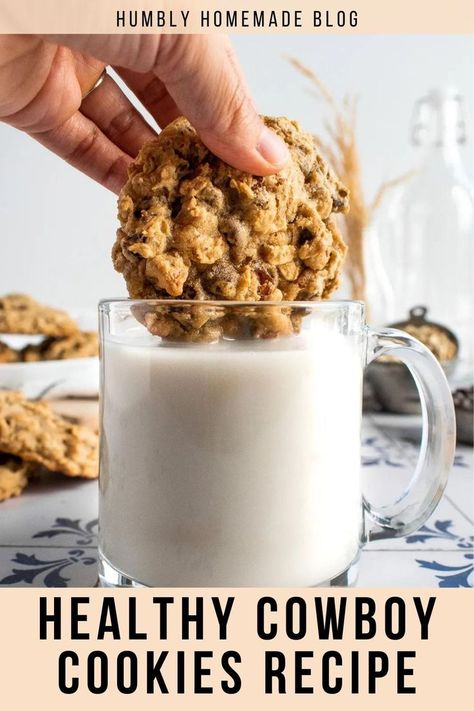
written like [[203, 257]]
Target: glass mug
[[235, 461]]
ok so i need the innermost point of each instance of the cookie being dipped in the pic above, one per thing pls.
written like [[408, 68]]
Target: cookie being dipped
[[192, 227]]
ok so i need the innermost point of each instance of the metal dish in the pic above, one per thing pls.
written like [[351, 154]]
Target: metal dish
[[417, 317], [464, 407], [464, 427], [395, 388], [392, 383]]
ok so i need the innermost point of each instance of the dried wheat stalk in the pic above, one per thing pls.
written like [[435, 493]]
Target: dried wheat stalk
[[342, 151]]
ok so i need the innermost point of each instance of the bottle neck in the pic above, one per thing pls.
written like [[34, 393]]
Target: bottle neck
[[438, 129], [446, 153]]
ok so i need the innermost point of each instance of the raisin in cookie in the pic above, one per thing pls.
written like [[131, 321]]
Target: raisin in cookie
[[19, 313], [33, 432], [193, 227], [80, 345]]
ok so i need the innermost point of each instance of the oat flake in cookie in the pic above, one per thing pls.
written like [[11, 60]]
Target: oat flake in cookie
[[192, 227]]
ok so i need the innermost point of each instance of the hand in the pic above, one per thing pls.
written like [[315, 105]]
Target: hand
[[43, 81]]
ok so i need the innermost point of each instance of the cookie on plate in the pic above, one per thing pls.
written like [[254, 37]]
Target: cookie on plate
[[14, 474], [19, 313], [7, 354], [31, 431], [193, 227], [82, 344]]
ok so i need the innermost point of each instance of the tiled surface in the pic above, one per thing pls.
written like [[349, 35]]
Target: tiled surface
[[440, 553], [50, 540]]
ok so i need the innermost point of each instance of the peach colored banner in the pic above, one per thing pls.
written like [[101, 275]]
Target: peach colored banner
[[238, 16], [419, 639]]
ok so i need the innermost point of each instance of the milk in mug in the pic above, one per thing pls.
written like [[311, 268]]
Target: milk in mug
[[232, 464]]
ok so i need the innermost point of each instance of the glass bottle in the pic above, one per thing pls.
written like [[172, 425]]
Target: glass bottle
[[429, 224]]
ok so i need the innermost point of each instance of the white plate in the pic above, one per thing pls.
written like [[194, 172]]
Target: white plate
[[76, 376], [18, 341], [55, 378]]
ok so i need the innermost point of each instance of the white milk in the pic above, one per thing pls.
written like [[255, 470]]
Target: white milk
[[232, 465]]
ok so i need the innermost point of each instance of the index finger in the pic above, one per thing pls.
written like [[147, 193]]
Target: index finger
[[203, 77]]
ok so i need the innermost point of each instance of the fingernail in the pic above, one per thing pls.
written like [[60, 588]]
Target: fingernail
[[272, 148]]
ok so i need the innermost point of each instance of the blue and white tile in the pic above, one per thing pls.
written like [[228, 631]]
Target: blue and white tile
[[445, 530], [429, 569], [44, 501], [65, 566], [48, 535], [460, 488]]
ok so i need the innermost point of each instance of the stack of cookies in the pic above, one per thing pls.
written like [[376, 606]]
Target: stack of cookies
[[34, 439], [62, 338]]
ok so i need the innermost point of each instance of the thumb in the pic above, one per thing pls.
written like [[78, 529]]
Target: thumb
[[202, 75]]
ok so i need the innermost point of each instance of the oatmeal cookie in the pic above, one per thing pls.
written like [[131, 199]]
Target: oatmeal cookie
[[7, 354], [13, 476], [32, 431], [19, 313], [193, 227], [80, 345]]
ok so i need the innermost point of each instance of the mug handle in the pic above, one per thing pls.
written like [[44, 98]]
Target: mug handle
[[438, 441]]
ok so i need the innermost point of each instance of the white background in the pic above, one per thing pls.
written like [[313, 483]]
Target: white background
[[57, 226]]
